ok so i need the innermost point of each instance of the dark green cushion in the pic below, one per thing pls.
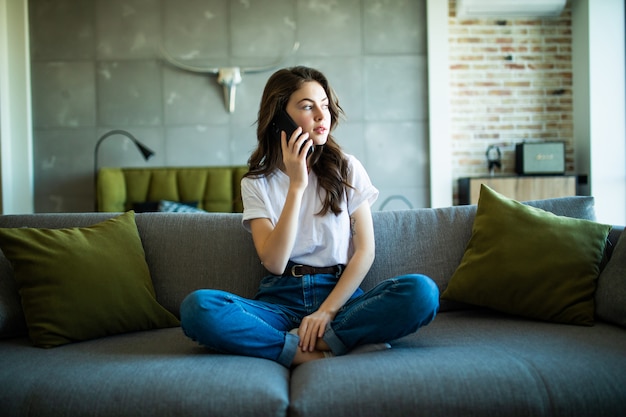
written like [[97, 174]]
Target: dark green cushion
[[83, 283], [526, 261]]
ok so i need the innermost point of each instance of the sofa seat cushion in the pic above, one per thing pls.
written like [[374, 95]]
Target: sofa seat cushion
[[527, 261], [150, 373], [474, 362]]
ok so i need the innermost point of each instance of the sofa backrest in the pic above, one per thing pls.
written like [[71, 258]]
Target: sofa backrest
[[214, 189], [188, 251], [433, 241]]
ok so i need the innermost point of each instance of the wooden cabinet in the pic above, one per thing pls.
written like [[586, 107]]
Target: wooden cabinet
[[521, 188]]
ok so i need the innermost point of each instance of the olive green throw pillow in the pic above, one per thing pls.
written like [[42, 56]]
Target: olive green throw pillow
[[526, 261], [82, 283]]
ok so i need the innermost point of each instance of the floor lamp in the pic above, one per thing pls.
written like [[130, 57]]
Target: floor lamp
[[145, 151]]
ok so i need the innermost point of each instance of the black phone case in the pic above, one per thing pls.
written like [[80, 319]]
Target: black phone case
[[283, 121]]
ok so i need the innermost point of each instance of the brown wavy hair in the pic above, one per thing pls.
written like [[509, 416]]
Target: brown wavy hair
[[327, 162]]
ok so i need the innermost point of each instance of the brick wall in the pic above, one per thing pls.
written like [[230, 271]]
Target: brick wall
[[510, 81]]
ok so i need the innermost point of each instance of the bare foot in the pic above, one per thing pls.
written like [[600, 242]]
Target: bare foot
[[321, 345], [302, 357]]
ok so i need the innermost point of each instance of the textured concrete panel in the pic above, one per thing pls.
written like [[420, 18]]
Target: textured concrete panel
[[329, 27], [127, 28], [394, 26], [243, 143], [129, 93], [63, 167], [396, 88], [73, 40], [397, 154], [192, 98], [262, 29], [196, 29], [351, 138], [198, 145], [64, 94]]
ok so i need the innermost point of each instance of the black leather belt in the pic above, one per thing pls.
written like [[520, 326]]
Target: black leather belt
[[297, 270]]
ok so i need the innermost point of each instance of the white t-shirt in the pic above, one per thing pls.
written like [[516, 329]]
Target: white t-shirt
[[322, 240]]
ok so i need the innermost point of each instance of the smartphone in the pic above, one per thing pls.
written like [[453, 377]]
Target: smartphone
[[283, 121]]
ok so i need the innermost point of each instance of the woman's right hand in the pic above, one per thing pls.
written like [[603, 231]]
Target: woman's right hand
[[294, 157]]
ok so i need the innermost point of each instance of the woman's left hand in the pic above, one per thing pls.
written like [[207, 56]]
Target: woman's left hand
[[312, 328]]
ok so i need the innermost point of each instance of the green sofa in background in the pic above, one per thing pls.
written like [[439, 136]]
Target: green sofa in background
[[214, 189]]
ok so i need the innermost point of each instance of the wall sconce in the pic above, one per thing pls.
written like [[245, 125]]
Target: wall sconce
[[145, 151]]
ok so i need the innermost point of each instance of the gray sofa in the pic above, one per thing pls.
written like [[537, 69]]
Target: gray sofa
[[469, 362]]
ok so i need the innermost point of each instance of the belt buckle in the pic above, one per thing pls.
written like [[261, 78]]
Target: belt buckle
[[294, 273]]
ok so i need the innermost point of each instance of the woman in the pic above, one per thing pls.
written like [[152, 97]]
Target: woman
[[310, 218]]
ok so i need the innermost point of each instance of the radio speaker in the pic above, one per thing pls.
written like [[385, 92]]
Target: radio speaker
[[540, 158]]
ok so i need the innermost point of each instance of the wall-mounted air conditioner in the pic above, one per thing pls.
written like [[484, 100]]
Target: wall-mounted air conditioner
[[509, 8]]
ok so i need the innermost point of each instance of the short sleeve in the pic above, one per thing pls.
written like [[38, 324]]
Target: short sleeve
[[362, 188], [253, 201]]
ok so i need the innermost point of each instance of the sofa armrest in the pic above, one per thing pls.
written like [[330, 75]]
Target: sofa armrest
[[111, 190], [238, 174], [613, 237]]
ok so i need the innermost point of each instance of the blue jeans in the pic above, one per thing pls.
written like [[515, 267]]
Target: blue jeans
[[260, 327]]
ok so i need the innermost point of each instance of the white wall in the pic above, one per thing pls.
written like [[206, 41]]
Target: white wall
[[15, 109], [439, 104], [599, 104]]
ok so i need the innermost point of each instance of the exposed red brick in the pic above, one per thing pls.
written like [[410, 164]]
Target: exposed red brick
[[511, 80], [523, 83], [500, 92]]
